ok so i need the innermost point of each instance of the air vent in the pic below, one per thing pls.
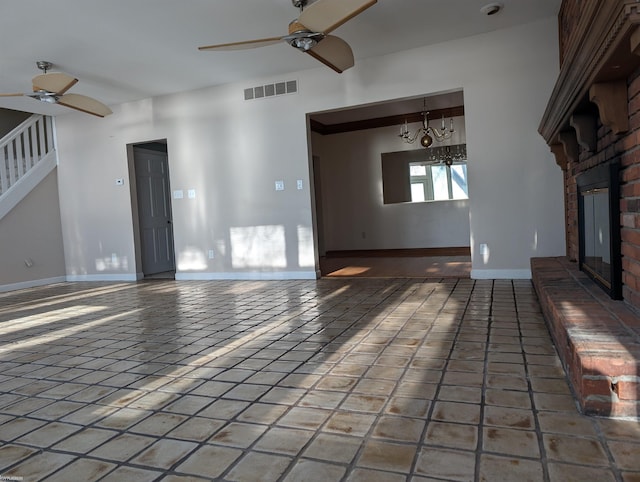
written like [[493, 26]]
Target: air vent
[[271, 90]]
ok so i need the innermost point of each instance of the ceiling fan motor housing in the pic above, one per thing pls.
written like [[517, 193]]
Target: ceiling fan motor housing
[[301, 37]]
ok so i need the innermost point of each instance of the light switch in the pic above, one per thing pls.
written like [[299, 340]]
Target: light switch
[[191, 193], [178, 194], [279, 185], [299, 184]]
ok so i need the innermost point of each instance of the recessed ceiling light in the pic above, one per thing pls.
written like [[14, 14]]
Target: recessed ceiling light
[[491, 8]]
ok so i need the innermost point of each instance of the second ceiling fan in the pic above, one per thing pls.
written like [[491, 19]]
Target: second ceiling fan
[[309, 33]]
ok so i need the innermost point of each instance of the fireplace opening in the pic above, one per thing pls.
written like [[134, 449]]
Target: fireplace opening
[[599, 226]]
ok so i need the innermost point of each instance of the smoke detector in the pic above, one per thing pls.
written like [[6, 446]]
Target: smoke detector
[[491, 8]]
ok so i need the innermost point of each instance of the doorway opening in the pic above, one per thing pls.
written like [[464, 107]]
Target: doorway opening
[[152, 214], [360, 231]]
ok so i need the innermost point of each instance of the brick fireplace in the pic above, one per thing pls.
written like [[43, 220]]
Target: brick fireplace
[[592, 121]]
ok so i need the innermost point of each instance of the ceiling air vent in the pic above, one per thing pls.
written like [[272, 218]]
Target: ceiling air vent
[[271, 90]]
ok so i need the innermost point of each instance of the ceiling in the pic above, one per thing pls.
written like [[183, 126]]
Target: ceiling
[[126, 50]]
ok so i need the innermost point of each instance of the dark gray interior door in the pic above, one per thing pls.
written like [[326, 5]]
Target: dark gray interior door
[[154, 211]]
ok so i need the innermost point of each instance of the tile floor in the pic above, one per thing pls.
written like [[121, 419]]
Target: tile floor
[[329, 380]]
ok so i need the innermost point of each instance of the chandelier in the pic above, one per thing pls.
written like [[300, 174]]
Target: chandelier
[[426, 133], [447, 155]]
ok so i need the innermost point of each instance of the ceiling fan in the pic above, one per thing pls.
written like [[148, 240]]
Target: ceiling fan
[[309, 32], [52, 87]]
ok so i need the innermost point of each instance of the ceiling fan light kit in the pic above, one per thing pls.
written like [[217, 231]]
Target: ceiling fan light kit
[[51, 88], [309, 33]]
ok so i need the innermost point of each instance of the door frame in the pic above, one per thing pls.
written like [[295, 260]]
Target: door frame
[[161, 146]]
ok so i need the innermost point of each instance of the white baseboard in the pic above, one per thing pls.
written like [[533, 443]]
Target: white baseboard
[[103, 277], [32, 283], [254, 275], [500, 274]]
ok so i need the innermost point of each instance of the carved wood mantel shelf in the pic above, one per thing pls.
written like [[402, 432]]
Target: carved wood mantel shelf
[[602, 50]]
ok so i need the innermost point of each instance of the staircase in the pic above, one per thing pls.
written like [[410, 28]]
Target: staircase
[[27, 156]]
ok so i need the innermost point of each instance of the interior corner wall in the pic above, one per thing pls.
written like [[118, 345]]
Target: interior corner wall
[[31, 238], [354, 214], [230, 153]]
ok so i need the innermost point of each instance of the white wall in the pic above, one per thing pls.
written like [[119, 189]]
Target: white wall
[[231, 151], [354, 214]]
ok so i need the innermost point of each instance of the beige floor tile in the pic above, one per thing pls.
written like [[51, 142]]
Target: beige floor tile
[[124, 418], [399, 428], [158, 424], [188, 404], [12, 454], [322, 399], [38, 466], [368, 475], [49, 434], [626, 455], [334, 448], [619, 429], [567, 423], [18, 427], [224, 409], [460, 394], [285, 441], [336, 383], [446, 464], [262, 413], [306, 418], [493, 468], [583, 451], [452, 435], [321, 471], [456, 412], [164, 453], [575, 473], [258, 467], [387, 456], [82, 469], [123, 447], [197, 429], [509, 417], [283, 395], [522, 443], [209, 461], [408, 407], [349, 423], [238, 434], [507, 382], [364, 403], [507, 398], [130, 473], [85, 440]]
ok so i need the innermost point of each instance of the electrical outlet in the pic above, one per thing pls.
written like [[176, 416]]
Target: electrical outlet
[[211, 254], [299, 184], [279, 185]]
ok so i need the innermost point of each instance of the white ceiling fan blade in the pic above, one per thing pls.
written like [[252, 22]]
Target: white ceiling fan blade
[[84, 104], [56, 82], [246, 44], [334, 53], [327, 15]]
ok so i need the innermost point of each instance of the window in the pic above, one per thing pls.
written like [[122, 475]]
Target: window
[[438, 182]]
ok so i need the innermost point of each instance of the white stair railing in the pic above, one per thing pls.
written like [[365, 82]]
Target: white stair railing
[[23, 148]]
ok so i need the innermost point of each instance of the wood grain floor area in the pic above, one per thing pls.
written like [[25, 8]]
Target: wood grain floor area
[[396, 266]]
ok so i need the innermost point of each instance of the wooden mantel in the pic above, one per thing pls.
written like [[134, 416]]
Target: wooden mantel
[[602, 50]]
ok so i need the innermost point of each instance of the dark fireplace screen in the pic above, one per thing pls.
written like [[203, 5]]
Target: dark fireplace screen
[[599, 226]]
